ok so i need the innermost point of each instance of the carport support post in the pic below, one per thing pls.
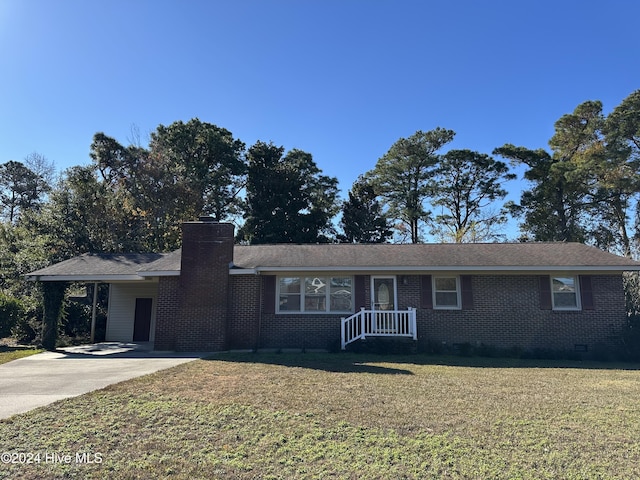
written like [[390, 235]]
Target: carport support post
[[53, 298], [93, 312]]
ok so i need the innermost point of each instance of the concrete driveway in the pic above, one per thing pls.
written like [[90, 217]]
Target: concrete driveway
[[41, 379]]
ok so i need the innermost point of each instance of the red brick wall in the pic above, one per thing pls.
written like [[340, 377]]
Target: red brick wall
[[506, 313], [247, 329], [300, 331], [244, 311], [167, 317]]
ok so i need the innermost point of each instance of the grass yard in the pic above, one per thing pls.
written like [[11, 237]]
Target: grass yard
[[354, 416], [13, 353]]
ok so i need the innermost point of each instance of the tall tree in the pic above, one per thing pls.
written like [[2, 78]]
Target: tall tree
[[22, 247], [363, 220], [466, 183], [623, 126], [402, 176], [190, 169], [152, 197], [20, 189], [209, 159], [41, 166], [619, 177], [556, 208], [288, 198], [84, 215]]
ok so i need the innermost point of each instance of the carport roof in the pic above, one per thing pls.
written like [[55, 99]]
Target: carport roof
[[97, 267]]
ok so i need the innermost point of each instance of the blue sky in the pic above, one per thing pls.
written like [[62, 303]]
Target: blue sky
[[341, 79]]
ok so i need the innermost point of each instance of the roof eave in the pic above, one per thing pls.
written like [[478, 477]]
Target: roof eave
[[452, 268], [243, 271], [84, 278], [159, 273], [146, 275]]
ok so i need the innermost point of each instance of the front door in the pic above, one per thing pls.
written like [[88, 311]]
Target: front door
[[142, 319], [383, 301]]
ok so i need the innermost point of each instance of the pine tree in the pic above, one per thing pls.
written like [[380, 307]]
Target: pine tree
[[363, 220], [288, 199]]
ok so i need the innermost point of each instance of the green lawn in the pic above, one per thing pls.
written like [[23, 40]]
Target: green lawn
[[12, 353], [343, 416]]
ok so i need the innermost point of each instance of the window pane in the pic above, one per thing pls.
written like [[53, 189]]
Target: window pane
[[446, 299], [290, 303], [315, 285], [315, 303], [564, 299], [290, 285], [341, 294], [446, 283], [564, 284]]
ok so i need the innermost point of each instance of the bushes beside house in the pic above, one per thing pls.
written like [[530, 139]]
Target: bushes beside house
[[387, 346], [631, 335], [12, 312]]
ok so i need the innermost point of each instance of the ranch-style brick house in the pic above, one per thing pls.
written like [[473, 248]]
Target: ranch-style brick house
[[213, 295]]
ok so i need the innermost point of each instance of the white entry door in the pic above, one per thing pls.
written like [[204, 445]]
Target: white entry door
[[384, 301]]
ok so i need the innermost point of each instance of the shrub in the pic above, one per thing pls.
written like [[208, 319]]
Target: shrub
[[11, 312], [77, 320], [631, 338], [26, 330]]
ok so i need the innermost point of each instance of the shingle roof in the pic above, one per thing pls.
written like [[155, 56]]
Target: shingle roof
[[170, 262], [360, 257], [481, 256], [101, 265], [468, 255]]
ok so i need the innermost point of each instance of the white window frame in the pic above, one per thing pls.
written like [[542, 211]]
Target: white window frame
[[458, 305], [576, 283], [302, 310]]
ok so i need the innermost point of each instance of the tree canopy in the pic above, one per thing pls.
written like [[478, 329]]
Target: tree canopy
[[587, 187], [209, 162], [21, 189], [465, 184], [190, 169], [288, 198], [403, 176], [363, 220]]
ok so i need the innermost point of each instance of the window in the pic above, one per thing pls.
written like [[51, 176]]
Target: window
[[290, 294], [446, 292], [315, 294], [565, 293]]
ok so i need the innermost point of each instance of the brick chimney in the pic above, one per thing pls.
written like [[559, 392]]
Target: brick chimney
[[207, 251]]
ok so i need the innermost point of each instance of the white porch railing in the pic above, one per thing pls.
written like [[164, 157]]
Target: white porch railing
[[378, 323]]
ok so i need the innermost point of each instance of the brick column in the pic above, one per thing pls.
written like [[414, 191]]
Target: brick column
[[167, 314], [207, 251]]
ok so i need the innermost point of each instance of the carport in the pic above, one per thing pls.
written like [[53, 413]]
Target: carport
[[131, 310]]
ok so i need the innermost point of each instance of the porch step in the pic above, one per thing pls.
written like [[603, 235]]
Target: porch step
[[384, 345]]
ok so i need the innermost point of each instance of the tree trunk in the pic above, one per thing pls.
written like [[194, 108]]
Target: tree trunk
[[414, 231]]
